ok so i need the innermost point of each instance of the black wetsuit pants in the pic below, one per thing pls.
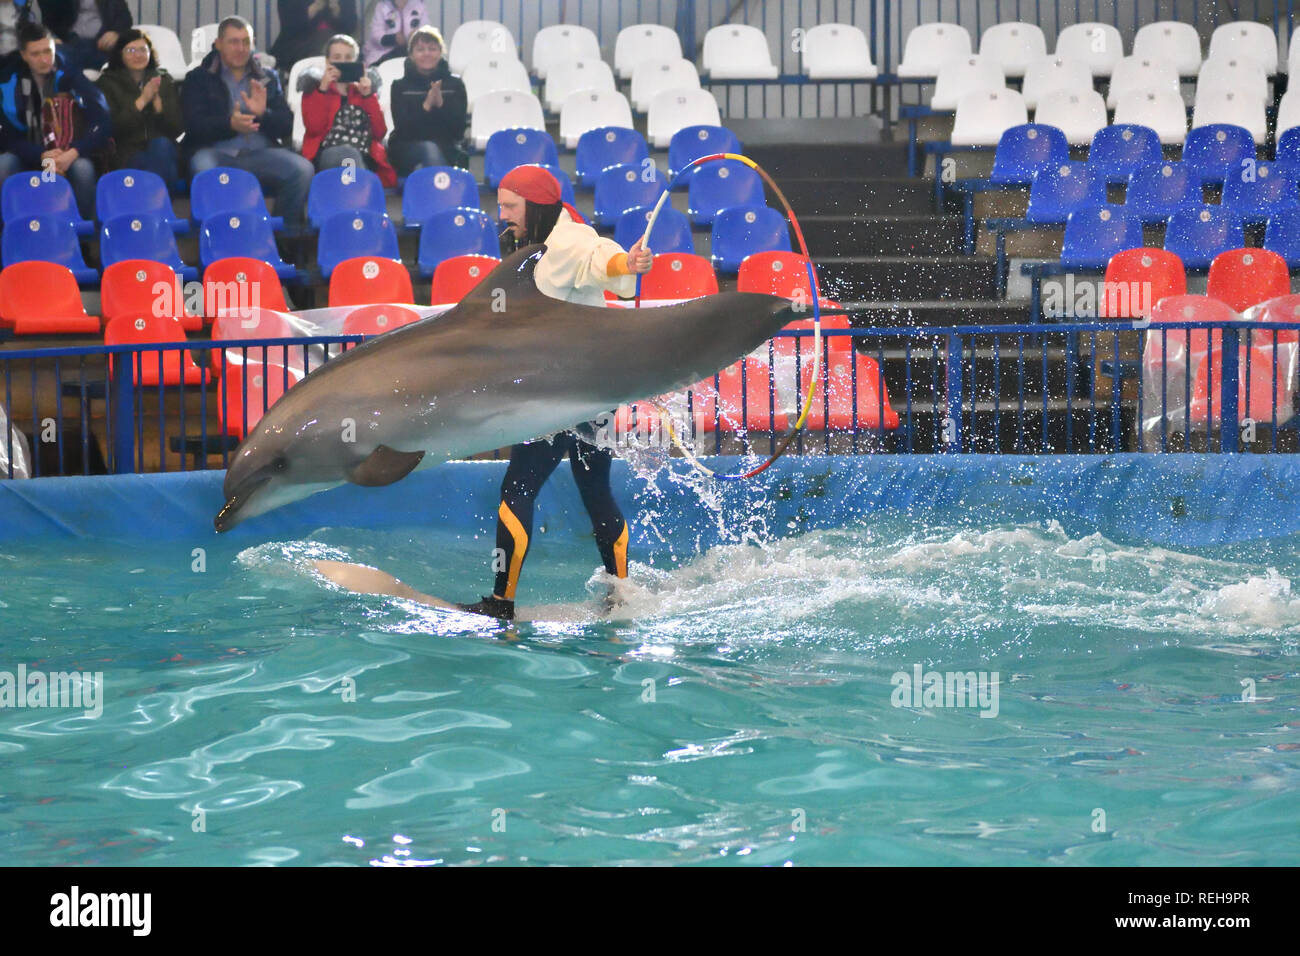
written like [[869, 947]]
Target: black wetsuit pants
[[530, 465]]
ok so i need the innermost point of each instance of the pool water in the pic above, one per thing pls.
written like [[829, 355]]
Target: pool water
[[1146, 705]]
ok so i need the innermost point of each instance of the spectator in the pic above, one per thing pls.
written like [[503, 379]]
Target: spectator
[[390, 28], [52, 116], [236, 115], [88, 29], [428, 109], [13, 14], [344, 120], [306, 25], [145, 108]]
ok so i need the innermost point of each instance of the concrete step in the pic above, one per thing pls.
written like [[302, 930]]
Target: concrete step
[[828, 196], [906, 278], [865, 235], [943, 313], [791, 161]]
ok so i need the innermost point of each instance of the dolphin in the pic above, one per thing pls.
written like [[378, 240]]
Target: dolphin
[[505, 365]]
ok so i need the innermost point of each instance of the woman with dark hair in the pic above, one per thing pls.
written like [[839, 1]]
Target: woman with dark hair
[[144, 107]]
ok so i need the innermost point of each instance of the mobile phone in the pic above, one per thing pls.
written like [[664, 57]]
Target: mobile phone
[[350, 72]]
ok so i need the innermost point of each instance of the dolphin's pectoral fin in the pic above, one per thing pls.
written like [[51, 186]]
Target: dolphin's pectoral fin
[[383, 466]]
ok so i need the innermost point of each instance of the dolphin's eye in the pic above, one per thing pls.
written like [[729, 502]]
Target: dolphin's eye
[[280, 464]]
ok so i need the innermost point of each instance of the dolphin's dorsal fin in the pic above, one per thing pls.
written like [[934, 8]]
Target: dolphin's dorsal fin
[[514, 274], [383, 466]]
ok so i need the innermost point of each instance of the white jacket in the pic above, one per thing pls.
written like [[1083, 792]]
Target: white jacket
[[574, 267]]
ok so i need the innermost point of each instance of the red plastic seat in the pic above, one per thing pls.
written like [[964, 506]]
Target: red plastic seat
[[838, 347], [1263, 378], [42, 298], [255, 387], [178, 366], [1282, 309], [779, 273], [753, 395], [1131, 274], [377, 319], [135, 287], [259, 323], [1186, 308], [679, 275], [454, 278], [367, 280], [838, 382], [223, 279], [1246, 277]]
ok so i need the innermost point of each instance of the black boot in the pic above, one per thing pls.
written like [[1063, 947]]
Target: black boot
[[491, 606]]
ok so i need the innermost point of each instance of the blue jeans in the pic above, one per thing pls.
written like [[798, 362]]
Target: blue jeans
[[80, 175], [408, 157], [284, 174], [159, 156]]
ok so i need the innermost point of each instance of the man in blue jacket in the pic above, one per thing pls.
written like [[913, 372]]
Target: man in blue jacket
[[236, 115], [26, 80]]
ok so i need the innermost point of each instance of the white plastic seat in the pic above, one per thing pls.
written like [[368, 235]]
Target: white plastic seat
[[1229, 106], [1076, 113], [734, 51], [1288, 112], [1240, 73], [1293, 56], [644, 41], [966, 75], [1052, 73], [1097, 44], [574, 75], [291, 92], [931, 45], [984, 115], [837, 51], [1164, 112], [390, 71], [476, 40], [1141, 73], [1172, 40], [201, 40], [1246, 37], [652, 77], [167, 47], [1014, 46], [504, 109], [672, 110], [560, 44], [591, 109], [495, 73]]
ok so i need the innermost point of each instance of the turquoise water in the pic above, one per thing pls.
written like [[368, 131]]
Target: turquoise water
[[744, 715]]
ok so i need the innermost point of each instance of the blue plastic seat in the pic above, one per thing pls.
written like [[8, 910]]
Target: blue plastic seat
[[1117, 151], [672, 232], [1157, 191], [720, 185], [28, 194], [1198, 235], [45, 239], [1059, 190], [142, 236], [224, 189], [1094, 234], [456, 232], [606, 146], [1288, 147], [1259, 190], [1210, 150], [247, 235], [1282, 235], [743, 230], [432, 189], [691, 142], [357, 232], [126, 192], [621, 188], [1025, 149], [343, 189], [517, 146]]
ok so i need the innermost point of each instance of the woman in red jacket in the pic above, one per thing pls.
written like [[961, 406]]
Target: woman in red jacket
[[343, 120]]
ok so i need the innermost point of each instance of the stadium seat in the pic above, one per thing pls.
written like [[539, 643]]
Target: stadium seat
[[644, 41], [495, 73], [790, 352], [1097, 44], [1158, 190], [28, 194], [1095, 233], [42, 298], [1025, 149], [343, 189], [1233, 74], [370, 280], [1175, 41], [1190, 308], [1256, 192], [224, 190], [672, 232], [504, 109], [1288, 115], [573, 75], [240, 283], [142, 237], [1013, 46], [1078, 115], [691, 142], [292, 92], [45, 239], [652, 77], [743, 230], [562, 43], [1136, 279], [1214, 151], [929, 46], [244, 235], [1050, 74], [679, 275], [1288, 146], [735, 51], [624, 187], [249, 325], [958, 78], [1248, 38], [1246, 277], [721, 184], [509, 148], [837, 51], [478, 40], [202, 38], [455, 232], [1196, 236], [1058, 191], [1282, 235], [1118, 151], [1221, 107], [247, 391], [984, 115], [598, 149], [167, 48], [1138, 73], [592, 109], [741, 399], [177, 366], [144, 287], [1163, 112], [432, 189], [858, 378], [378, 319], [674, 110], [780, 273], [129, 191], [1266, 376], [1166, 360], [390, 71], [454, 278], [360, 232]]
